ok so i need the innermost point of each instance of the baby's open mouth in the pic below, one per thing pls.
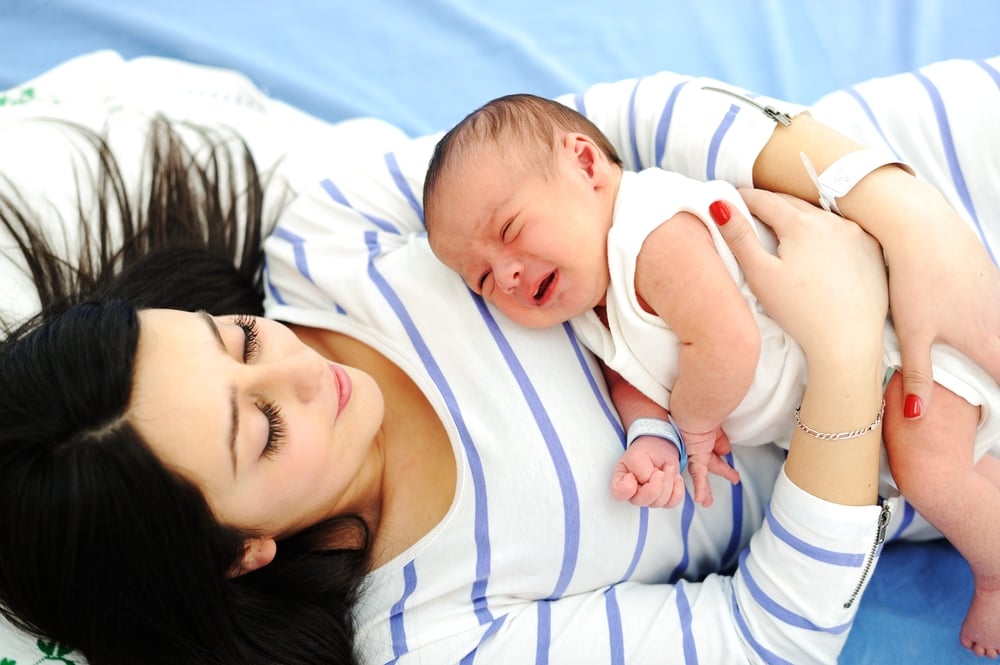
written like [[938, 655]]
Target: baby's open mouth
[[544, 286]]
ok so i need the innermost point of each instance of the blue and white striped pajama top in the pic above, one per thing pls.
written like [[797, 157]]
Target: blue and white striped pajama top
[[534, 562]]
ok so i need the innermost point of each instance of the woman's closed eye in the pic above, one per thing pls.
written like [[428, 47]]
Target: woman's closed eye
[[270, 409], [275, 428], [251, 335]]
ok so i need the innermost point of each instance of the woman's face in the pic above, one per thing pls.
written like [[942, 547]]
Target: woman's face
[[276, 436]]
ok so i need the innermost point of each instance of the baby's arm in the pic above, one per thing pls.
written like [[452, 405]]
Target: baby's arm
[[681, 278], [648, 473]]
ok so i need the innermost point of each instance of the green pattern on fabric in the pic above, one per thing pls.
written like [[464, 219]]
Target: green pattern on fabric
[[52, 651], [14, 97]]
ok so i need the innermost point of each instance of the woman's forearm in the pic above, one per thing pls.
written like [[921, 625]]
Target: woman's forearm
[[883, 203], [779, 166], [841, 397]]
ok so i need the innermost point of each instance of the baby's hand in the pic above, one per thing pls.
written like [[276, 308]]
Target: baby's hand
[[648, 474], [705, 451]]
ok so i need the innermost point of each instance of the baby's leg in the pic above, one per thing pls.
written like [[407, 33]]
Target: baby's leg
[[932, 462]]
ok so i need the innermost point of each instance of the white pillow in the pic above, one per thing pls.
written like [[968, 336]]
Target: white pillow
[[107, 94]]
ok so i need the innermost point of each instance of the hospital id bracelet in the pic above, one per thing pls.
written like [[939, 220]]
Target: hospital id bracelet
[[664, 429], [844, 174]]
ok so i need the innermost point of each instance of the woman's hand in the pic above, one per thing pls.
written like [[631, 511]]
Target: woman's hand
[[826, 286]]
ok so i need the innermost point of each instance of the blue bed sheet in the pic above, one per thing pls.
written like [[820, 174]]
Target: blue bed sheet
[[423, 65]]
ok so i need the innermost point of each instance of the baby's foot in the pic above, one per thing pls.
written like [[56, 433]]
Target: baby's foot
[[981, 628]]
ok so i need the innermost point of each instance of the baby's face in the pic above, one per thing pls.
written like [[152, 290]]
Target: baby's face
[[533, 246]]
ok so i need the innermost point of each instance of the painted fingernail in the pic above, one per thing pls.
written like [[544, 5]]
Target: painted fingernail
[[912, 407], [719, 212]]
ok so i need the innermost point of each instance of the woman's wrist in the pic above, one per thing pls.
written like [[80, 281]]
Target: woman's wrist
[[840, 397]]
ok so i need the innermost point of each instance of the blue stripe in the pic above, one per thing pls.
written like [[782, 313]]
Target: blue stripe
[[403, 186], [606, 408], [990, 70], [640, 543], [686, 620], [720, 133], [766, 655], [686, 516], [481, 526], [735, 536], [396, 626], [663, 127], [867, 110], [948, 144], [298, 244], [631, 126], [334, 193], [564, 474], [544, 611], [811, 551], [616, 640], [271, 288], [493, 628], [612, 417], [905, 521], [580, 104], [776, 610]]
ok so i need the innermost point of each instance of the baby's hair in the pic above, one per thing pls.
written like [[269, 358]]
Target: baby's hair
[[525, 121]]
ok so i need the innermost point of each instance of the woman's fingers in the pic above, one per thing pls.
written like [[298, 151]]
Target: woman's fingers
[[741, 237], [826, 284]]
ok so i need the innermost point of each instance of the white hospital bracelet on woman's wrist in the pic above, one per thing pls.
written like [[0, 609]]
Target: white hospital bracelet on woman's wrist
[[664, 429], [840, 177]]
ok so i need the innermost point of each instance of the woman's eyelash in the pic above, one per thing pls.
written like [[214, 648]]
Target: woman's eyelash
[[271, 411], [275, 428], [251, 343]]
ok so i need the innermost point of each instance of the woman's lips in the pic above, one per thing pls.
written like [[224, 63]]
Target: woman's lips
[[344, 387]]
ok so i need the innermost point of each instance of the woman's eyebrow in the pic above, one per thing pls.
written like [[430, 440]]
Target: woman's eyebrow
[[234, 418]]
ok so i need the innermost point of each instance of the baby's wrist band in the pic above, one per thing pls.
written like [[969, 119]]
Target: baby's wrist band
[[664, 429], [839, 436], [841, 177]]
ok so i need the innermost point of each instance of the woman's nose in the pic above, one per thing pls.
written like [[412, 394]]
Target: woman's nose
[[299, 375]]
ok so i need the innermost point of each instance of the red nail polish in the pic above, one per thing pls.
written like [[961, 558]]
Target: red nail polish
[[719, 212], [912, 407]]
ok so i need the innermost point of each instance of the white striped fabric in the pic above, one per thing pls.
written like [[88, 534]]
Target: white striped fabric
[[535, 562]]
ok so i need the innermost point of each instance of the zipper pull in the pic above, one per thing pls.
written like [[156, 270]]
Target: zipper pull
[[777, 116], [768, 110], [883, 522]]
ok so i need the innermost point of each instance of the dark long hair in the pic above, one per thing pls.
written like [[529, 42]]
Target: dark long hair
[[102, 547]]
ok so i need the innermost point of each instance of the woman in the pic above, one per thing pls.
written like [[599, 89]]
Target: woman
[[413, 478]]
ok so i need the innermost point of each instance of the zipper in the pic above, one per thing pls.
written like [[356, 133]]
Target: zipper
[[768, 110], [883, 523]]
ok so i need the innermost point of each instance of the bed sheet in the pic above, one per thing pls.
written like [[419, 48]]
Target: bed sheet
[[423, 65]]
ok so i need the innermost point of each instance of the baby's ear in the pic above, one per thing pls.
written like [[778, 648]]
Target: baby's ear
[[582, 148], [588, 157], [257, 553]]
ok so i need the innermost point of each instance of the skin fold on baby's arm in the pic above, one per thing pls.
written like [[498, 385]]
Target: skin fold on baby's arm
[[681, 278]]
